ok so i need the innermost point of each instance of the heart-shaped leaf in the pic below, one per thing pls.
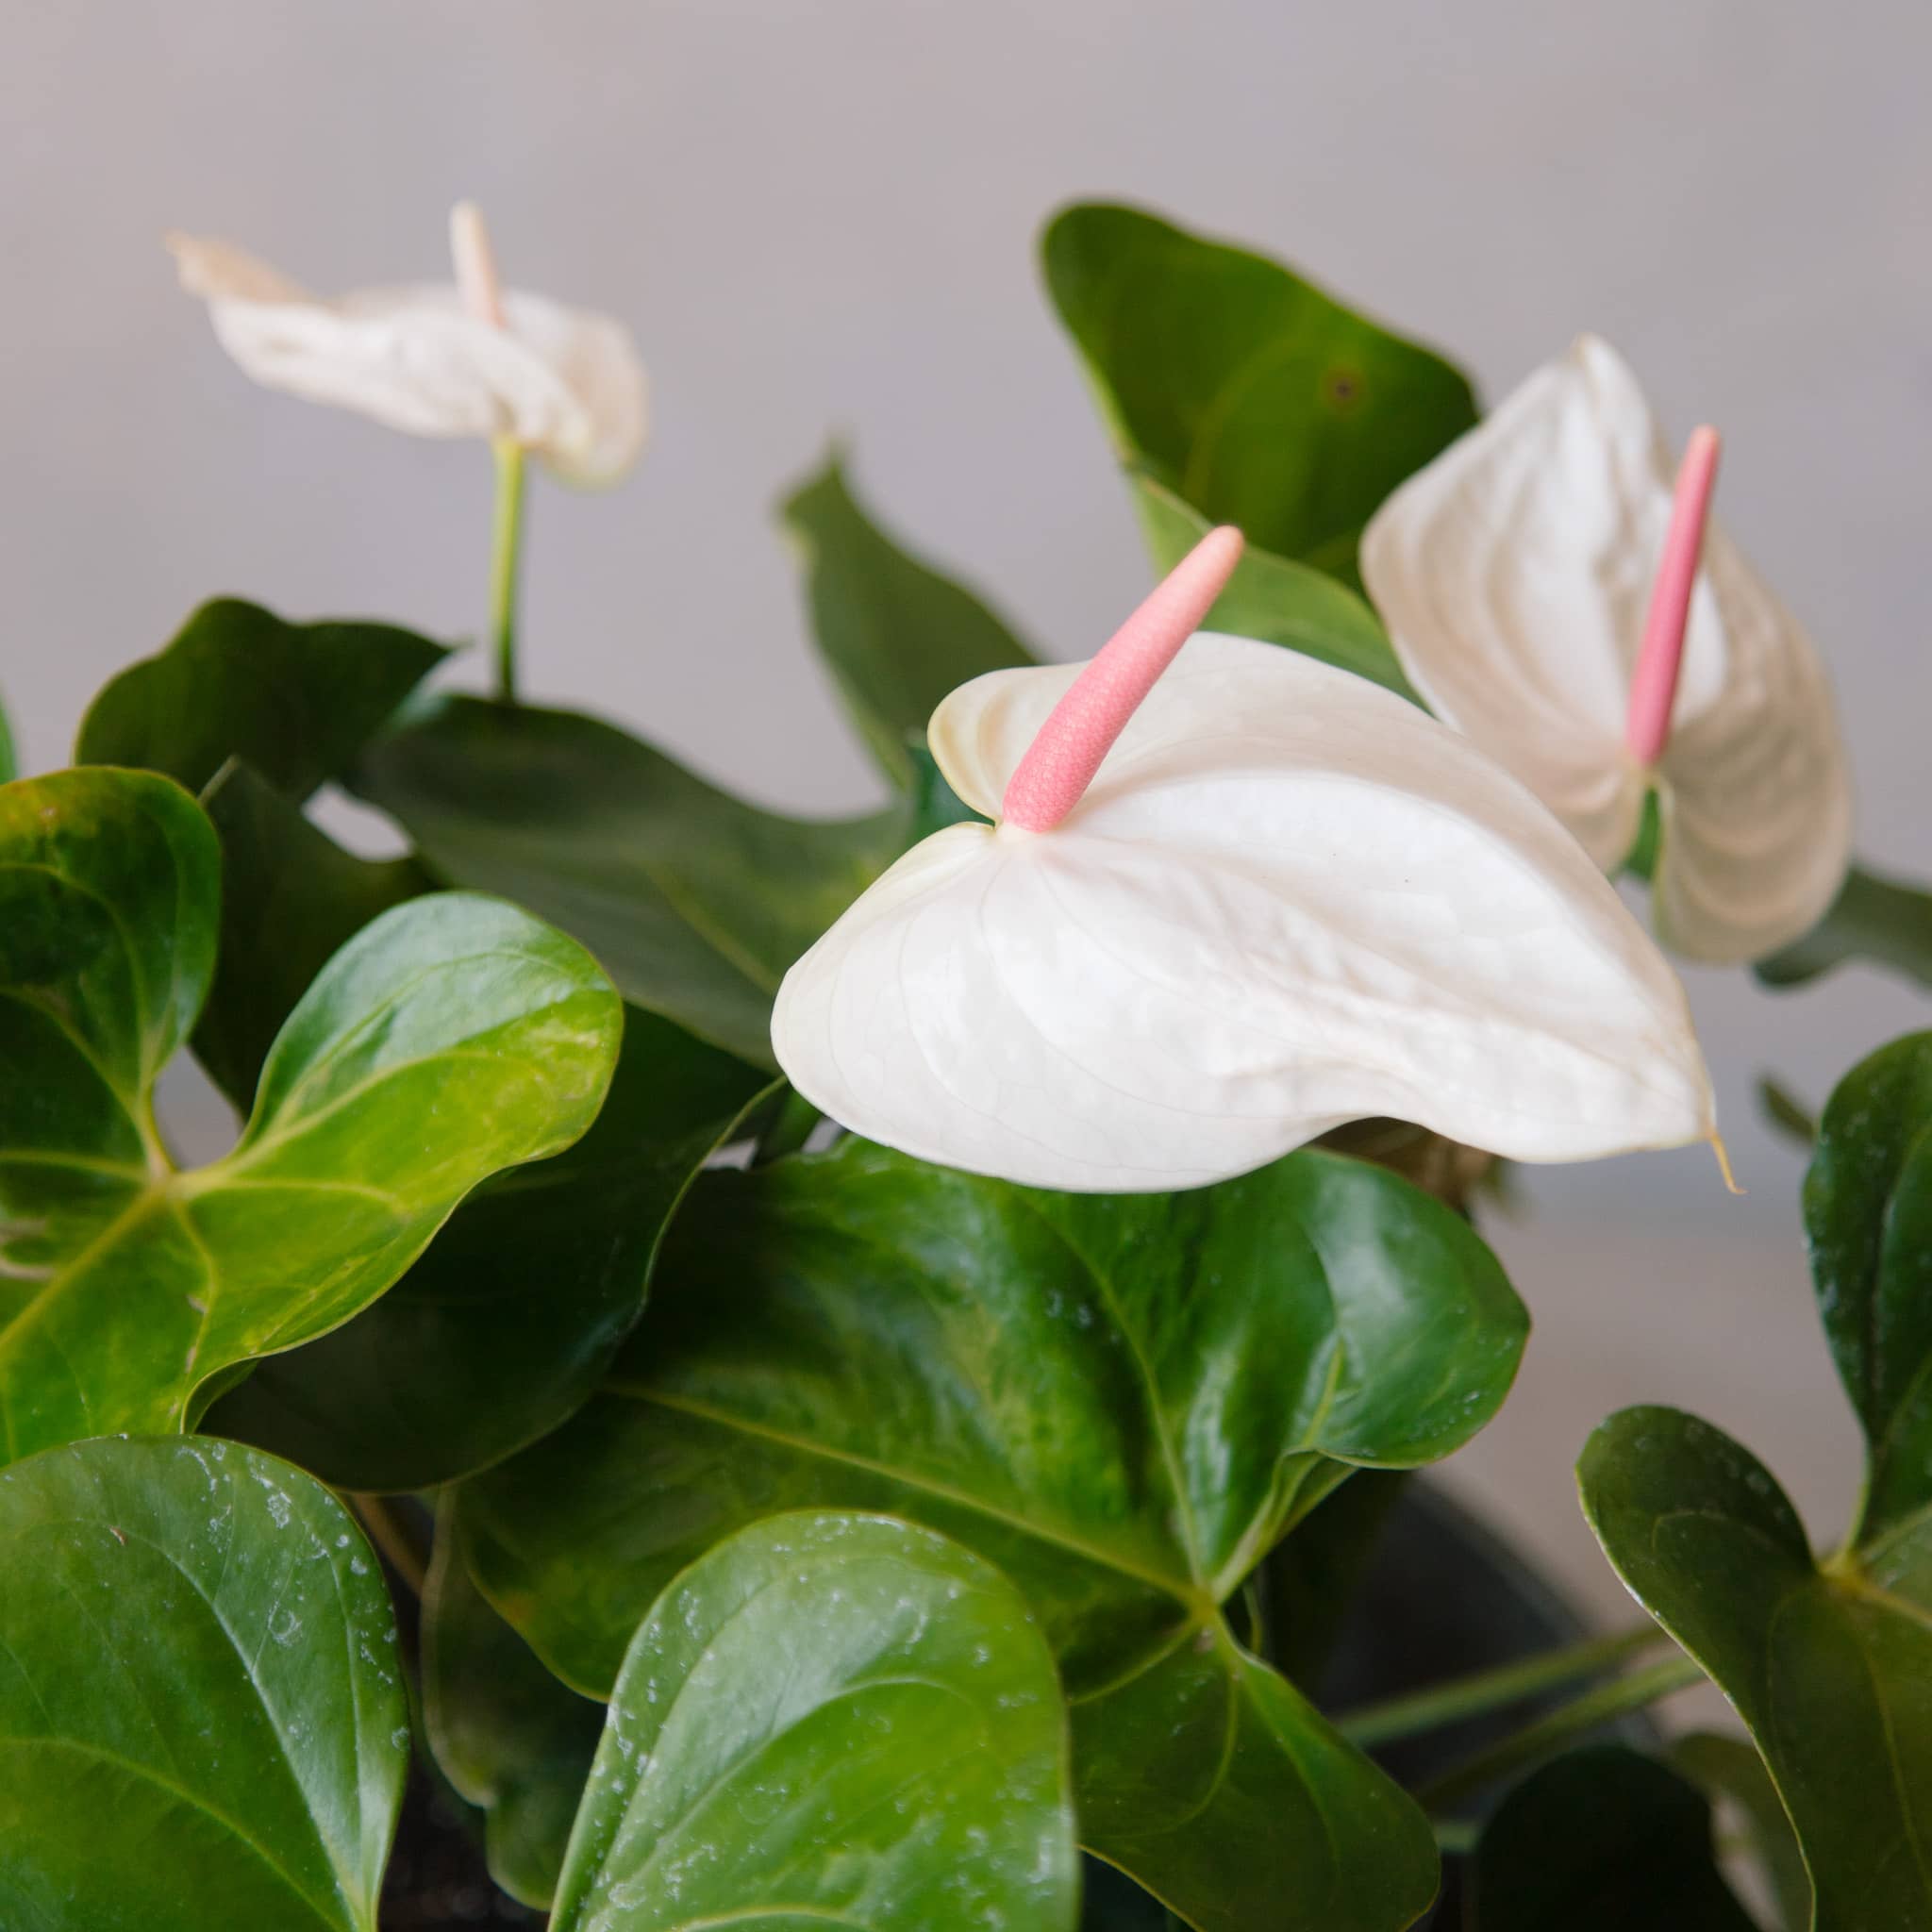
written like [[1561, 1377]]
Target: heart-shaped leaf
[[509, 1736], [454, 1037], [1830, 1666], [897, 635], [829, 1720], [1273, 597], [1884, 922], [1599, 1841], [291, 896], [1245, 391], [297, 701], [1867, 1214], [1121, 1401], [694, 901], [508, 1321], [201, 1718]]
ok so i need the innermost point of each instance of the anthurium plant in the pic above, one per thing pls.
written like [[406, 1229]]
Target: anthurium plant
[[775, 1373]]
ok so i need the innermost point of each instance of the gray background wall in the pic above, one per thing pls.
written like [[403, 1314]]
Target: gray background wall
[[818, 217]]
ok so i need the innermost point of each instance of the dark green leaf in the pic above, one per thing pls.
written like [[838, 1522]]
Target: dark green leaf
[[1785, 1113], [1830, 1666], [1729, 1772], [1272, 598], [10, 760], [1884, 922], [201, 1718], [694, 901], [1601, 1841], [897, 635], [1245, 391], [297, 701], [512, 1740], [453, 1038], [1868, 1215], [829, 1720], [1121, 1401], [507, 1322], [290, 897]]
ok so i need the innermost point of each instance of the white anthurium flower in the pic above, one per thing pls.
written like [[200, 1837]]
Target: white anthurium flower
[[1543, 593], [462, 359], [1221, 913]]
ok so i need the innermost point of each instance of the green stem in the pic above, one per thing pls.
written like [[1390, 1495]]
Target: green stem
[[506, 544], [789, 1129], [386, 1531], [1483, 1691], [1537, 1740]]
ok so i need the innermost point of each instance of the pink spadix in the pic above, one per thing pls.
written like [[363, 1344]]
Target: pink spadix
[[476, 264], [1080, 730], [1660, 658]]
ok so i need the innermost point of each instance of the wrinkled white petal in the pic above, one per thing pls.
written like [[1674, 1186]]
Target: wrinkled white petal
[[1514, 573], [1287, 901], [564, 382]]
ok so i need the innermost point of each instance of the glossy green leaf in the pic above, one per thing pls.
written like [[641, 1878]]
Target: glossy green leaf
[[508, 1321], [1601, 1841], [1867, 1214], [1729, 1772], [694, 901], [1245, 391], [897, 635], [512, 1738], [202, 1722], [1273, 597], [1880, 921], [10, 759], [829, 1720], [453, 1038], [1121, 1401], [297, 701], [291, 896], [1830, 1666]]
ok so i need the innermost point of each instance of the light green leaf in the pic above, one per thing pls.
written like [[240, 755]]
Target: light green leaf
[[1243, 389], [291, 896], [1121, 1401], [1729, 1772], [453, 1038], [202, 1722], [829, 1720], [1830, 1667], [1881, 921], [508, 1321], [511, 1738], [695, 901], [1274, 598], [1867, 1214], [297, 701], [1601, 1841], [897, 635]]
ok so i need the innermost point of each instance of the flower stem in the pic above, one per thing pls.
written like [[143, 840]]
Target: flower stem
[[386, 1529], [1484, 1690], [505, 551], [1573, 1720]]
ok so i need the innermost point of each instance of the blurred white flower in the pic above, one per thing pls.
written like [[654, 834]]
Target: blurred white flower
[[461, 358], [1287, 900], [1514, 573]]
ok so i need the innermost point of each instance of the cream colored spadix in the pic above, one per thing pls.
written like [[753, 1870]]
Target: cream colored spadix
[[1515, 573], [464, 358], [1287, 900]]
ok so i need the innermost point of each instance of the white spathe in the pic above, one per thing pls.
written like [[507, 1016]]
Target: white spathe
[[565, 383], [1288, 900], [1514, 573]]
